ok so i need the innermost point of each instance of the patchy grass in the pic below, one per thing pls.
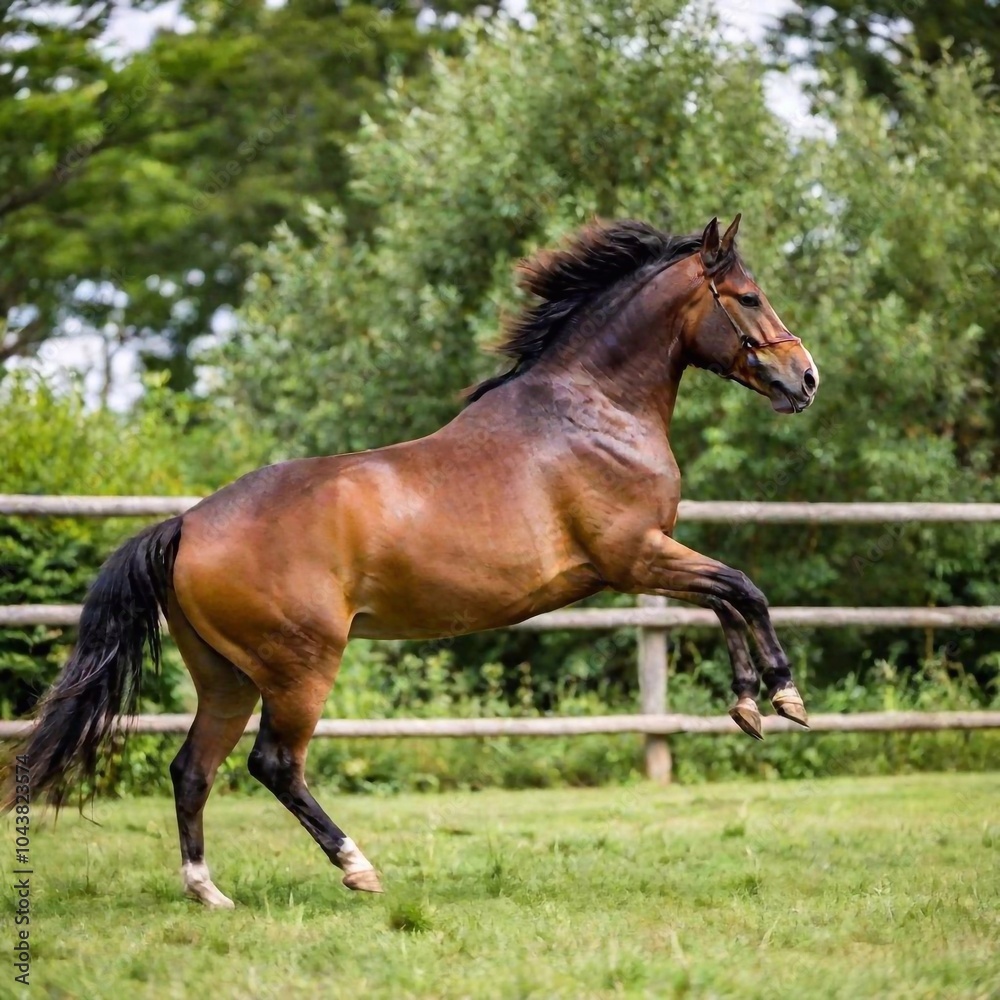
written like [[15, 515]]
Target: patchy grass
[[877, 887]]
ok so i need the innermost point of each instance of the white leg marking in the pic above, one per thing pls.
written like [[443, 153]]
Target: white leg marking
[[359, 872], [351, 859], [198, 885]]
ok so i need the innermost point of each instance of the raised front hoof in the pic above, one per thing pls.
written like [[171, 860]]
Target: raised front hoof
[[366, 881], [788, 704], [747, 716]]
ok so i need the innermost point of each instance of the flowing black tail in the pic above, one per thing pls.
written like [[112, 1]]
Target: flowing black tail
[[121, 617]]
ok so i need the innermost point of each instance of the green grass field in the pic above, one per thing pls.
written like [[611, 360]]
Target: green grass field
[[879, 887]]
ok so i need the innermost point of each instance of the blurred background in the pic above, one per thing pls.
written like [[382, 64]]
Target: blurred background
[[234, 232]]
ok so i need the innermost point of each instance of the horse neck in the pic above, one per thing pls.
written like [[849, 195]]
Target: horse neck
[[636, 356]]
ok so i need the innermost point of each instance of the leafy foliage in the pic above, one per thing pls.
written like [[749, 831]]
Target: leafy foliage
[[489, 166], [873, 37], [129, 179]]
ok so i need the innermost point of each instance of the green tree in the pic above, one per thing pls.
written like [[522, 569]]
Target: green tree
[[128, 181], [875, 37], [875, 244], [638, 106], [64, 107]]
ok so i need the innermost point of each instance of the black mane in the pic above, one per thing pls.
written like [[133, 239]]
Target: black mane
[[599, 257]]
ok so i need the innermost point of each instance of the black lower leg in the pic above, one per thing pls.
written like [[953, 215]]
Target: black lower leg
[[751, 604], [278, 762], [777, 673], [777, 678], [191, 788], [666, 567], [746, 681], [275, 767]]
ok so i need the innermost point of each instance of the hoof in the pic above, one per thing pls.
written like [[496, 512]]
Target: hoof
[[788, 703], [365, 881], [199, 886], [213, 900], [746, 715]]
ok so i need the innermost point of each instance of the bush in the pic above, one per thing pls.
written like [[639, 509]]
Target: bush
[[54, 444], [369, 688]]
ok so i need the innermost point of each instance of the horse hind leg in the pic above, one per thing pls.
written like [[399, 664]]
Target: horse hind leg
[[277, 761], [226, 699]]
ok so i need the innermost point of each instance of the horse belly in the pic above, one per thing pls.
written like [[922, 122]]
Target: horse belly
[[442, 609]]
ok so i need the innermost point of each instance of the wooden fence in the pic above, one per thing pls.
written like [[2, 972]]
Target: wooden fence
[[651, 616]]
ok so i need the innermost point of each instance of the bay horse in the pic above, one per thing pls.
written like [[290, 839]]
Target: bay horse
[[556, 481]]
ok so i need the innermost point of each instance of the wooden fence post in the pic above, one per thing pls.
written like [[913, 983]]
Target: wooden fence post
[[652, 645]]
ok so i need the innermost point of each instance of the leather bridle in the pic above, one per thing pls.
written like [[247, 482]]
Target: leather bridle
[[747, 344]]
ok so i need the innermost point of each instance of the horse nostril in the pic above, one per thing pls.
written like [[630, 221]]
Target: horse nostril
[[809, 380]]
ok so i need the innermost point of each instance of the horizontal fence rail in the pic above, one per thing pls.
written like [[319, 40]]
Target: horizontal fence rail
[[705, 511], [17, 615], [586, 725], [652, 617]]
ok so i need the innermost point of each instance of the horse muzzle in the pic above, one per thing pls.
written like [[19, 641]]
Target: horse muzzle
[[792, 388], [785, 399]]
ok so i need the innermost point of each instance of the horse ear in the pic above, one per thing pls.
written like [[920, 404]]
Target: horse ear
[[710, 244], [729, 237]]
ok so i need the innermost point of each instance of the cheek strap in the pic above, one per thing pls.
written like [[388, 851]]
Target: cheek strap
[[746, 342]]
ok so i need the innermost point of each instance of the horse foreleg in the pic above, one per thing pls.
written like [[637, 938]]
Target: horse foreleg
[[746, 681], [664, 566], [277, 761]]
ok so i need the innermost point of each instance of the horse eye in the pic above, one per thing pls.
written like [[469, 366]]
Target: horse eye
[[747, 344], [750, 300]]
